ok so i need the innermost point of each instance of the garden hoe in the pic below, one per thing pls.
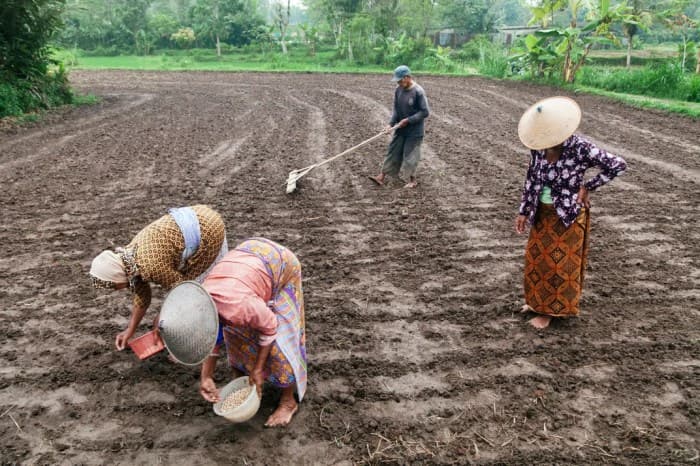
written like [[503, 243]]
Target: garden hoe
[[295, 175]]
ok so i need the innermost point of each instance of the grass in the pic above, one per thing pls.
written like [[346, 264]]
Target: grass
[[265, 63], [649, 51], [299, 60], [691, 109], [38, 115]]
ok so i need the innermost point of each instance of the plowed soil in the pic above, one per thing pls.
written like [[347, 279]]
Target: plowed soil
[[416, 351]]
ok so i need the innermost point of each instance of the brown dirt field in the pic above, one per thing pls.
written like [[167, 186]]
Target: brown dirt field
[[416, 351]]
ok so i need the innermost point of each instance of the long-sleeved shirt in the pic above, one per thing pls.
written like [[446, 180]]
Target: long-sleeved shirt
[[565, 177], [158, 252], [410, 103]]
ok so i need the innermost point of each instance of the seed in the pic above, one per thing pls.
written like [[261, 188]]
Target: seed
[[235, 399]]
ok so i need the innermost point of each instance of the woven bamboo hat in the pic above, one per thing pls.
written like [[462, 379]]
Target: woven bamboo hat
[[189, 323], [549, 122]]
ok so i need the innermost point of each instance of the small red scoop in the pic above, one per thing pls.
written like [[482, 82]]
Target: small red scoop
[[146, 345]]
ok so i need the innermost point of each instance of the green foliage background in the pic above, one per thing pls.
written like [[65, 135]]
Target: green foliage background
[[29, 78], [573, 41]]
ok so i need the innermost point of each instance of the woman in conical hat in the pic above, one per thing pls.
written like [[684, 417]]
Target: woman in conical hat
[[556, 202], [181, 245]]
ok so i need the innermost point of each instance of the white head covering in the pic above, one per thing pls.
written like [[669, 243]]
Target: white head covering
[[549, 122], [109, 267]]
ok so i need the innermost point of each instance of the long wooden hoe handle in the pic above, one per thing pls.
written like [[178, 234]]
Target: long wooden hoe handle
[[365, 142]]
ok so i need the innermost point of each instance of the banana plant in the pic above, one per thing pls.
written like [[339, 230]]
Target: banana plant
[[566, 48]]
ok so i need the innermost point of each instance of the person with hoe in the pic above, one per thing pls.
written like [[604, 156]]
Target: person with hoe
[[256, 291], [410, 109], [181, 245], [556, 202]]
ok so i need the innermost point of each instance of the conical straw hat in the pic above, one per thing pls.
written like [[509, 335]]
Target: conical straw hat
[[549, 122], [189, 323]]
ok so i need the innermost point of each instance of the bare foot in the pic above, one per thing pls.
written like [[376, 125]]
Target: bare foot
[[377, 179], [526, 308], [283, 414], [540, 322], [411, 184]]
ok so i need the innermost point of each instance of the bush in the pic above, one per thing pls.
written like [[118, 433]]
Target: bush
[[440, 59], [10, 104], [103, 51], [403, 51], [691, 88], [665, 80], [22, 96], [490, 59], [691, 58]]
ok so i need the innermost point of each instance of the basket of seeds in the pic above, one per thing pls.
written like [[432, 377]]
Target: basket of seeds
[[239, 401]]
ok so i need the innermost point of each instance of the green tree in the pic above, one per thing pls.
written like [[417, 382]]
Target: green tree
[[573, 43], [311, 37], [678, 21], [336, 14], [161, 27], [25, 29], [209, 19], [89, 24], [416, 17], [471, 16], [26, 82], [184, 37], [133, 20], [638, 18], [281, 17]]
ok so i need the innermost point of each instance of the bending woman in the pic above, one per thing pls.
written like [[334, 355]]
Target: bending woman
[[181, 245], [555, 201], [257, 291]]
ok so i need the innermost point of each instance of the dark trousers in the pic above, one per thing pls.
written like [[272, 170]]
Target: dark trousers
[[403, 152]]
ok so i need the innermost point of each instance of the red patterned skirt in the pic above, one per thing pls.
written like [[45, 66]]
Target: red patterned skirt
[[555, 260]]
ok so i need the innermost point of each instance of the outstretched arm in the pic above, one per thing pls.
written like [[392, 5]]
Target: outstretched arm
[[137, 313], [256, 377]]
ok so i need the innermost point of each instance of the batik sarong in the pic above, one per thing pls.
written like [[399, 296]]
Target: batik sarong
[[286, 365], [555, 260]]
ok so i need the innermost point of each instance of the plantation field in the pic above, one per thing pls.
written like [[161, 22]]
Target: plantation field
[[416, 350]]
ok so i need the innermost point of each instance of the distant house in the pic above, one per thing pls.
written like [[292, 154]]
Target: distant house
[[450, 37], [507, 34]]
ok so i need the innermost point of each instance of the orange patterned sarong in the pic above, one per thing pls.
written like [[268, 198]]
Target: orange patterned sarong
[[555, 260]]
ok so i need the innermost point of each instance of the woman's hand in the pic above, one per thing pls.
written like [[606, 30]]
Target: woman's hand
[[520, 224], [208, 390], [256, 378], [583, 197], [123, 338]]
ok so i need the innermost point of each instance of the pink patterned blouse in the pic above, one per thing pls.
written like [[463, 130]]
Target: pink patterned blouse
[[241, 288]]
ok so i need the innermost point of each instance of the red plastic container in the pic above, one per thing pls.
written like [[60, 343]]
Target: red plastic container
[[146, 345]]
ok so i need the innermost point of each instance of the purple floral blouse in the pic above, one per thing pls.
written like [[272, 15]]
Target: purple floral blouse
[[565, 177]]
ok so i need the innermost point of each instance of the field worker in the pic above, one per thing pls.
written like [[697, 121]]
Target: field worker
[[555, 201], [256, 289], [410, 109], [181, 245]]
